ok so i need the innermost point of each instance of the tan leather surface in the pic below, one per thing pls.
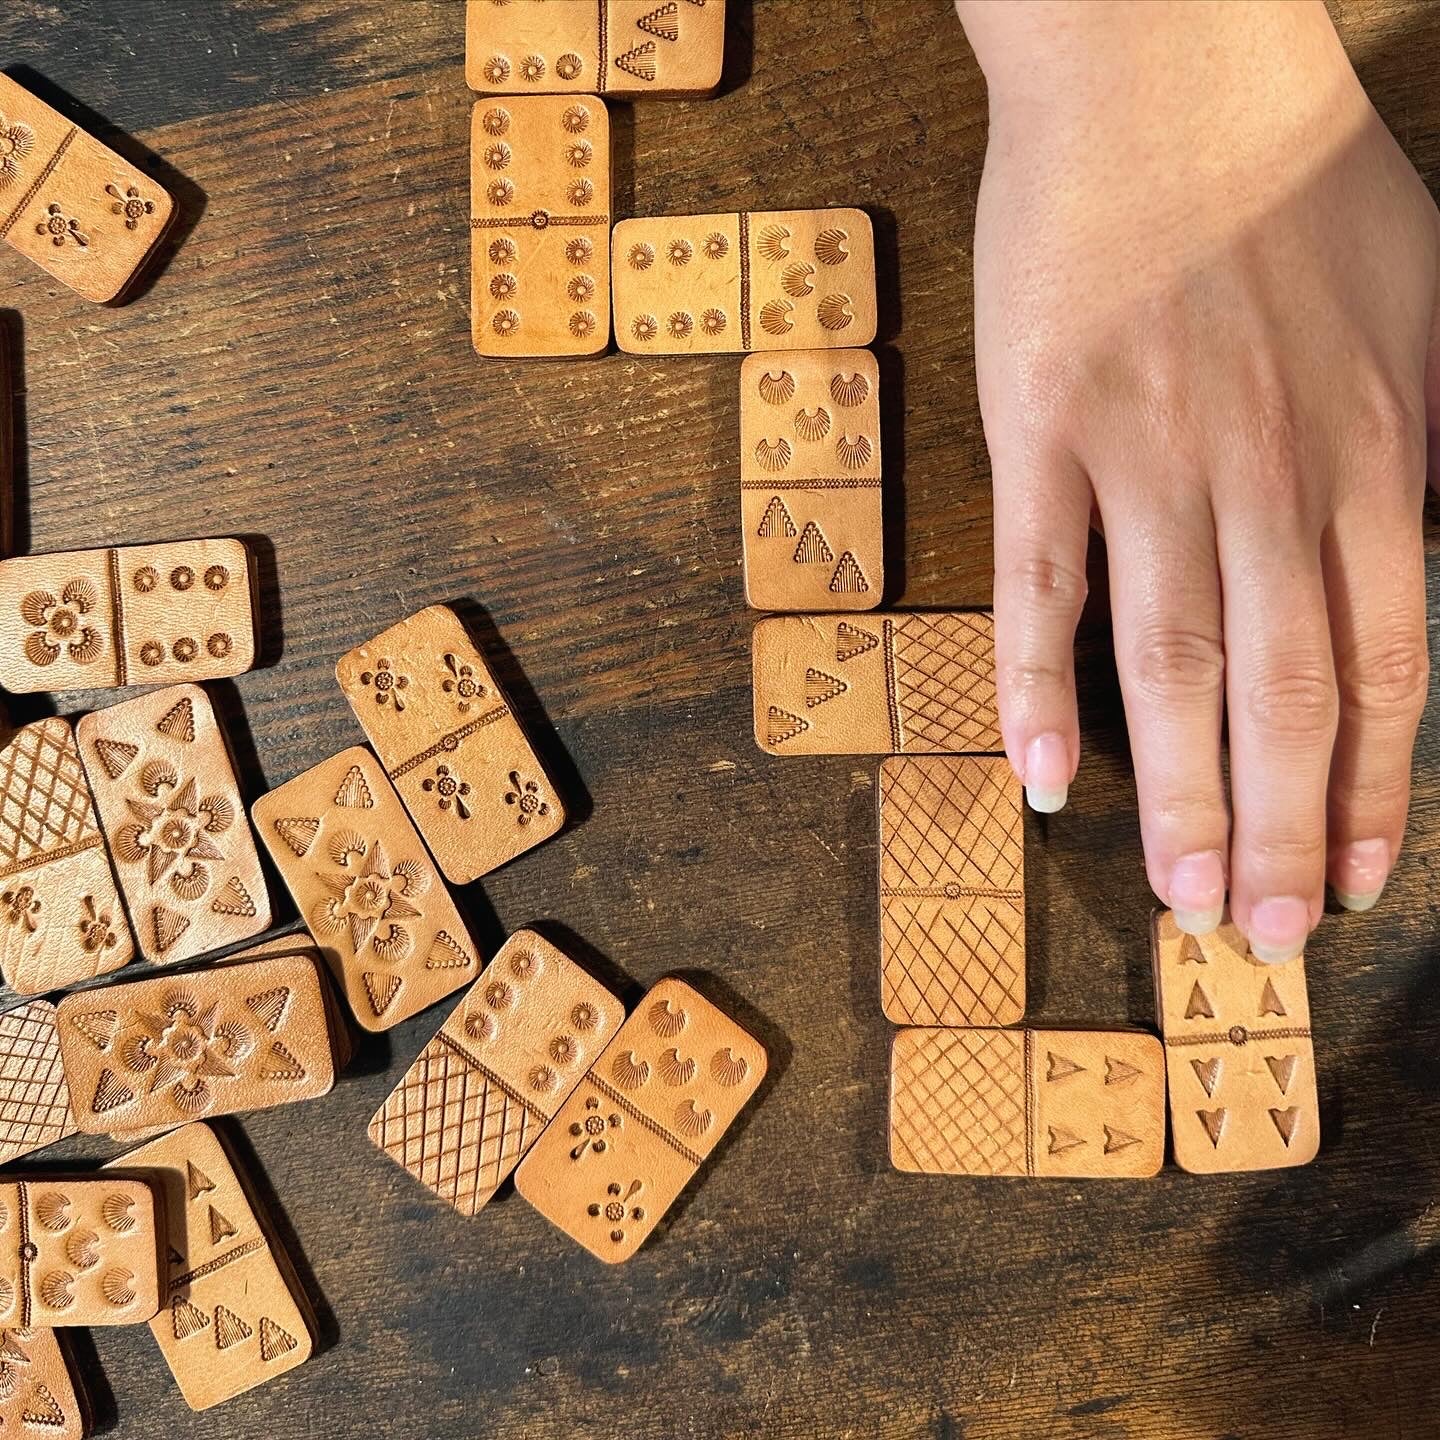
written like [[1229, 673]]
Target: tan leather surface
[[632, 48], [479, 1094], [34, 1098], [60, 915], [367, 888], [810, 493], [43, 1395], [450, 743], [876, 684], [1081, 1104], [638, 1126], [71, 204], [159, 768], [952, 891], [141, 615], [766, 280], [77, 1251], [540, 195], [240, 1036], [1239, 1050], [229, 1320]]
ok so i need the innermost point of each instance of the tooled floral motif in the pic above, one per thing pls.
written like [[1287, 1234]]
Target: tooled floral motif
[[369, 897], [61, 624]]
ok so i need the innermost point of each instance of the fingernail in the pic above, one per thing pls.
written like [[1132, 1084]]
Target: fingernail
[[1359, 873], [1197, 891], [1047, 773], [1279, 926]]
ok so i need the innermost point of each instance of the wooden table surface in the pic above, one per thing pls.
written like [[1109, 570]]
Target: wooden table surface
[[300, 371]]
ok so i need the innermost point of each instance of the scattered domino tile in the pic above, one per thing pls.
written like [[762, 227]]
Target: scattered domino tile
[[1241, 1058], [877, 685], [231, 1317], [630, 48], [42, 1395], [71, 204], [773, 280], [540, 226], [477, 1098], [141, 615], [160, 771], [810, 503], [77, 1252], [60, 915], [1085, 1104], [952, 891], [245, 1035], [640, 1124], [34, 1098], [450, 743], [366, 887]]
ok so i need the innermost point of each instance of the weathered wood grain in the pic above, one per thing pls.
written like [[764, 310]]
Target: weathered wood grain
[[301, 371]]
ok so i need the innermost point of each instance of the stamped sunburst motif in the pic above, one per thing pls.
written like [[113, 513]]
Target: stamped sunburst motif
[[774, 243], [17, 141], [368, 899]]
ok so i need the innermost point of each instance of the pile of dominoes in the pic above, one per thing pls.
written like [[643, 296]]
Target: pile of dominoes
[[124, 835]]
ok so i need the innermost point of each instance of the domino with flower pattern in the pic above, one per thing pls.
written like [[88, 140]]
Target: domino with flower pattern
[[138, 615], [71, 204], [540, 225], [644, 1119], [367, 888], [246, 1035], [169, 802], [451, 743]]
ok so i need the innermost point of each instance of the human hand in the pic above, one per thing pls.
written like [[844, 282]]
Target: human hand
[[1205, 281]]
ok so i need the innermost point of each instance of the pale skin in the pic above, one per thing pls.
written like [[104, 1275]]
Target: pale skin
[[1205, 295]]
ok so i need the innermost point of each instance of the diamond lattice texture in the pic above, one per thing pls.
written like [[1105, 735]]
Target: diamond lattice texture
[[957, 1102], [945, 682], [453, 1128]]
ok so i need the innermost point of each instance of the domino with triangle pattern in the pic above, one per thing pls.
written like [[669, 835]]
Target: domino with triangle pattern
[[232, 1315], [160, 770], [367, 887], [882, 684], [627, 48], [810, 497], [244, 1035], [43, 1393], [1240, 1055], [1077, 1104], [137, 615]]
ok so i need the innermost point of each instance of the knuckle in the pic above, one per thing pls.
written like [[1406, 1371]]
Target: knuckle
[[1281, 852], [1022, 680], [1038, 582], [1375, 795], [1387, 428], [1187, 810], [1386, 678], [1170, 662], [1298, 702]]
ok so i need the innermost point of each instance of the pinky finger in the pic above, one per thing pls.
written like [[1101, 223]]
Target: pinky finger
[[1042, 530]]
